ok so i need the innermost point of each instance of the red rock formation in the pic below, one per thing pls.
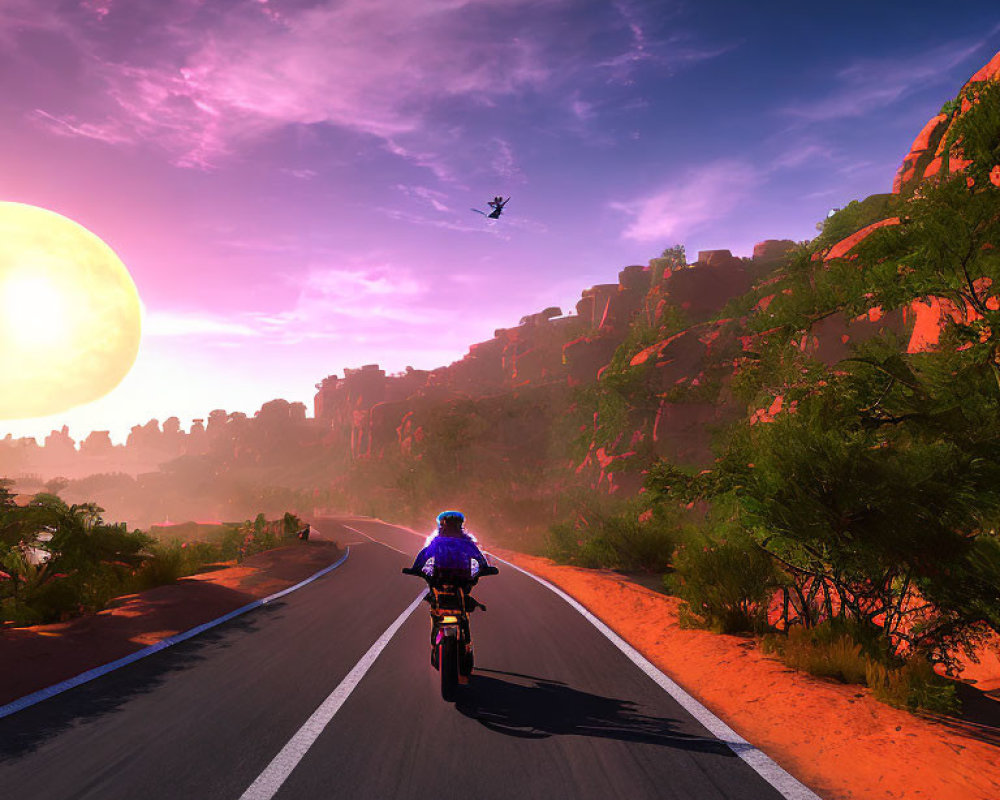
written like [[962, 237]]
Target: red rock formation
[[701, 290], [97, 444], [382, 412], [989, 71], [844, 246], [772, 250], [928, 317], [927, 155]]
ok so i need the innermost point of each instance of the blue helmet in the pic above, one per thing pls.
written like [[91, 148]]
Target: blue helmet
[[454, 519]]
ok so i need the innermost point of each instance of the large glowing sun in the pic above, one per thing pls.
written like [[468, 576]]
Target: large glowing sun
[[69, 314]]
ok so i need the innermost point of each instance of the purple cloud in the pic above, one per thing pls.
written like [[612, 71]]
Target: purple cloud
[[370, 66], [706, 194], [871, 83]]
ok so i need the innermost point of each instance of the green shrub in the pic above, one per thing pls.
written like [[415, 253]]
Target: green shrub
[[165, 565], [915, 685], [838, 651], [91, 561], [950, 107], [823, 652], [563, 543], [50, 602], [66, 596], [625, 543], [103, 585], [727, 584], [853, 217], [597, 553], [614, 541], [230, 543]]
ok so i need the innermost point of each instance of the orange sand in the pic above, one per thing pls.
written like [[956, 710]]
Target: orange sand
[[835, 738]]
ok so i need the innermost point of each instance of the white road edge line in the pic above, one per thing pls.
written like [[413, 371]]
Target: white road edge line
[[789, 786], [276, 773], [372, 539], [84, 677]]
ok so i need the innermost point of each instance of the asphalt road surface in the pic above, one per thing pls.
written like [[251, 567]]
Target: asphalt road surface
[[554, 709]]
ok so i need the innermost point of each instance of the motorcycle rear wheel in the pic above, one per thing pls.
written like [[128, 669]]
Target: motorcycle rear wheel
[[448, 664]]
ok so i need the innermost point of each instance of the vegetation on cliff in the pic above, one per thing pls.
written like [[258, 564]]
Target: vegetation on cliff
[[850, 505], [854, 508]]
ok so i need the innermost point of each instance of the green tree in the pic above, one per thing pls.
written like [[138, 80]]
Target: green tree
[[944, 248], [876, 488]]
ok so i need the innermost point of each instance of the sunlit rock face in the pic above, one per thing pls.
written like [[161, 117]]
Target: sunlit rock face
[[371, 414], [928, 157], [547, 349], [701, 290], [701, 351]]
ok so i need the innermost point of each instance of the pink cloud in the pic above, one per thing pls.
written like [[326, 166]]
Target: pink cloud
[[424, 159], [432, 196], [302, 174], [675, 51], [704, 195], [802, 153], [173, 323], [99, 8], [371, 66], [329, 303], [582, 110], [335, 301], [18, 16], [445, 223], [107, 132], [504, 162]]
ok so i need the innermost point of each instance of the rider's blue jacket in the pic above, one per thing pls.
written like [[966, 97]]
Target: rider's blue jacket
[[451, 552]]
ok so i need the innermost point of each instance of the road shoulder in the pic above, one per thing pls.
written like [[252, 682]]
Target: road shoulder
[[35, 657], [833, 737]]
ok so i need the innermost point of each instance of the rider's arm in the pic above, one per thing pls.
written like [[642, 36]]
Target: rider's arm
[[480, 558], [485, 567], [421, 558]]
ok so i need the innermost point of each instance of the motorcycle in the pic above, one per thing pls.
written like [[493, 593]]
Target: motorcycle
[[451, 604]]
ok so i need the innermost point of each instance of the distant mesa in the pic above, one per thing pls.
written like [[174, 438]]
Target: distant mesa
[[546, 348], [772, 250], [369, 413], [689, 345]]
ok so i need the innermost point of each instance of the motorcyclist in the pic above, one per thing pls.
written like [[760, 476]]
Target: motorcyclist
[[451, 556], [453, 550]]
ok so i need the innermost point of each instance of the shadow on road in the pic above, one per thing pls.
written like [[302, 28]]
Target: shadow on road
[[26, 730], [546, 708], [980, 718]]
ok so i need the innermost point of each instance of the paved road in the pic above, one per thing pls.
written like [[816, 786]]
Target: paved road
[[554, 711]]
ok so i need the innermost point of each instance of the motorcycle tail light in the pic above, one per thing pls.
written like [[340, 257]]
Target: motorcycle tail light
[[448, 618]]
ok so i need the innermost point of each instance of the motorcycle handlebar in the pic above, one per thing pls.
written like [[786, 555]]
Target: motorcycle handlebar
[[482, 572]]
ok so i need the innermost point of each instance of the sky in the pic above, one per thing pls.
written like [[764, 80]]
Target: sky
[[291, 182]]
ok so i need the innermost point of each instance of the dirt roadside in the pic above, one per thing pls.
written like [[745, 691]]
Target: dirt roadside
[[835, 738], [35, 657]]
